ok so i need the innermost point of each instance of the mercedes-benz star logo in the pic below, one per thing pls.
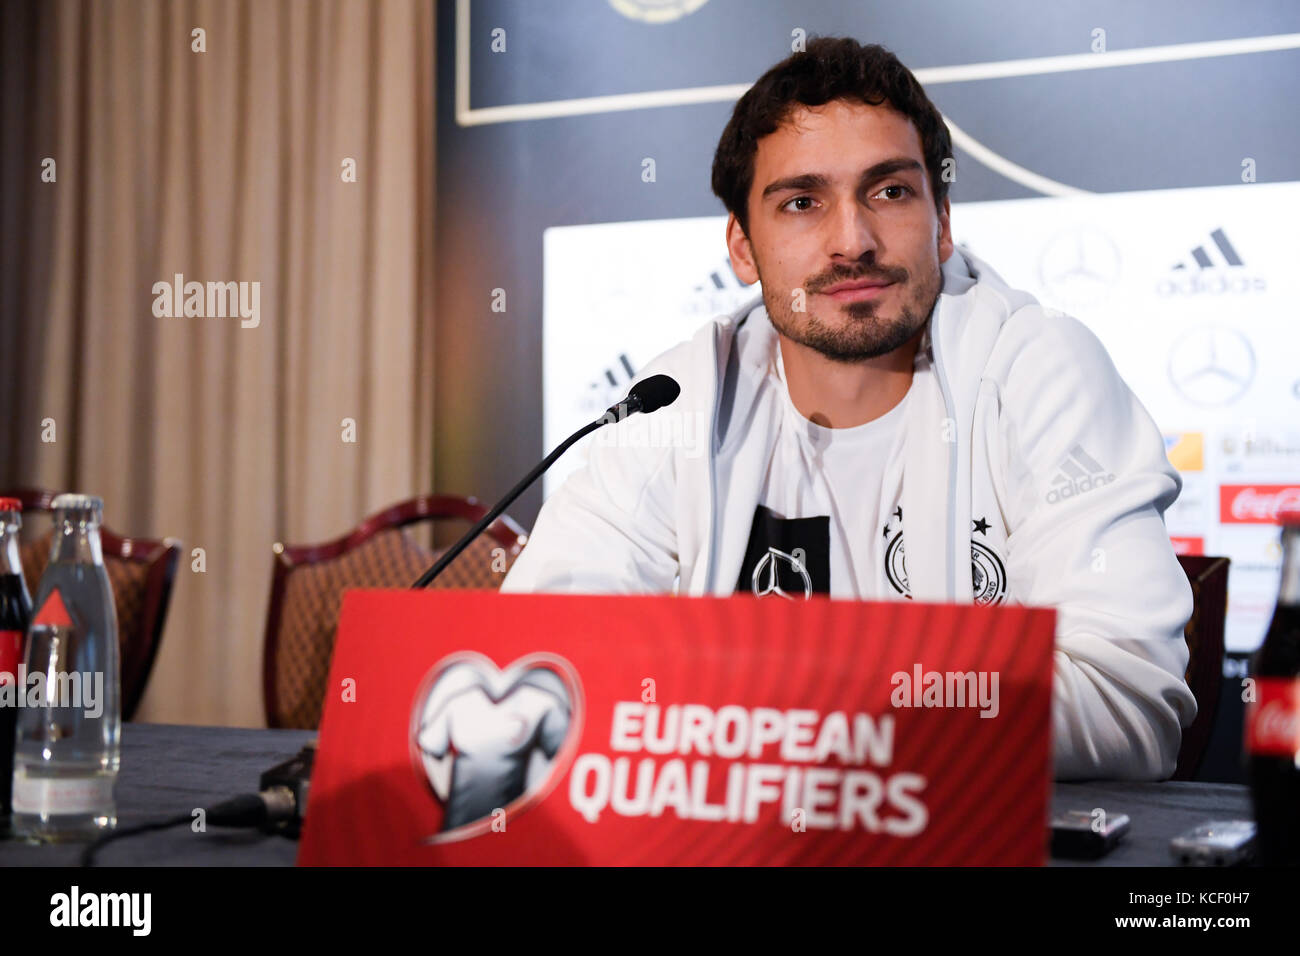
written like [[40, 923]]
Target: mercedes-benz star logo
[[1211, 365], [1078, 267], [770, 564]]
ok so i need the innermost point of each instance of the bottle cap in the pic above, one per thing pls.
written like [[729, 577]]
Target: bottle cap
[[1288, 515], [10, 504], [77, 502]]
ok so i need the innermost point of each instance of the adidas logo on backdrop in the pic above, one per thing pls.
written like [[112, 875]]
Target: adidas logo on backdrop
[[1077, 474], [1211, 269]]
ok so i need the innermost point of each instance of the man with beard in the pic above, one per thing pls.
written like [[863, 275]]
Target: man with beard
[[889, 420]]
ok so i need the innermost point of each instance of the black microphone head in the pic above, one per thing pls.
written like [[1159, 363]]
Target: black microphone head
[[653, 393]]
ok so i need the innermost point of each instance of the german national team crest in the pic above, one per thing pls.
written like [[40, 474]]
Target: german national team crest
[[988, 572]]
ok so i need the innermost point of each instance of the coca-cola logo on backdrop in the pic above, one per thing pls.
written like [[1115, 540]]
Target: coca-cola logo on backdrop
[[1255, 504]]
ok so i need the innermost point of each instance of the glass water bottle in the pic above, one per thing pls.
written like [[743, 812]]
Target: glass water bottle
[[66, 752]]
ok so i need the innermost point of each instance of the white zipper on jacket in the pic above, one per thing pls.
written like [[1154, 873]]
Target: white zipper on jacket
[[952, 457], [713, 458]]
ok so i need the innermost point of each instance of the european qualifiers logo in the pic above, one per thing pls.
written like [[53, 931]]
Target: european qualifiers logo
[[1077, 474], [988, 571], [494, 742], [754, 759], [1211, 268]]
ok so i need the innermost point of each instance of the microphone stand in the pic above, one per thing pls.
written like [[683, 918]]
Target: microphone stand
[[625, 408]]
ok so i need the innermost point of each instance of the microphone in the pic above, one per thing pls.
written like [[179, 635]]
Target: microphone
[[646, 396], [649, 395]]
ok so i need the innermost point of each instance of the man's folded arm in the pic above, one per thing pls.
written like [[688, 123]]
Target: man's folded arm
[[1101, 555]]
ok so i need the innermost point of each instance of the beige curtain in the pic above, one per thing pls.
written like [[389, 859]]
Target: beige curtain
[[225, 165]]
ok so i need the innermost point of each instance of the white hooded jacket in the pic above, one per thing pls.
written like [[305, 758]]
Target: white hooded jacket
[[1011, 406]]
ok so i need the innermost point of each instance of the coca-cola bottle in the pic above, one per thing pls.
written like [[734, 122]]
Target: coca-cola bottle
[[15, 615], [1273, 717], [67, 750]]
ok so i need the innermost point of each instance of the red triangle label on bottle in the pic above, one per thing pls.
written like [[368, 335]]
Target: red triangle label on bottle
[[53, 612]]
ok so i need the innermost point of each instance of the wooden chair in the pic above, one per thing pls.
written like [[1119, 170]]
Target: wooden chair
[[1204, 634], [307, 585], [141, 572]]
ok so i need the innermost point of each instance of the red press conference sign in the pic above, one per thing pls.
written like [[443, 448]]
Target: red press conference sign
[[480, 728]]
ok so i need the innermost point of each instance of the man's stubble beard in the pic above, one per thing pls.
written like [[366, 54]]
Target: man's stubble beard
[[861, 333]]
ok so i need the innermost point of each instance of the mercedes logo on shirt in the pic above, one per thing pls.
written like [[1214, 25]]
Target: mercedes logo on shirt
[[786, 557], [766, 578]]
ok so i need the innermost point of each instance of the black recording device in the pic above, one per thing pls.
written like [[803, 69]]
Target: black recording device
[[294, 775]]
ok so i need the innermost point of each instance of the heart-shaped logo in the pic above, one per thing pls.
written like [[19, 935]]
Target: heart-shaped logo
[[491, 741]]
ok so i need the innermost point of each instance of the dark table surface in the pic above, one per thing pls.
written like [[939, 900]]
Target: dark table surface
[[171, 769]]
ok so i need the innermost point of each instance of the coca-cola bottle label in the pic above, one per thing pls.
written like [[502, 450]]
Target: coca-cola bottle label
[[11, 652], [1273, 718]]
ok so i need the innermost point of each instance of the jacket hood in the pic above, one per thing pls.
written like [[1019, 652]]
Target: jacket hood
[[973, 304]]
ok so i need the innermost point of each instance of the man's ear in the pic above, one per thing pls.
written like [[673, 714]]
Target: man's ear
[[945, 232], [741, 252]]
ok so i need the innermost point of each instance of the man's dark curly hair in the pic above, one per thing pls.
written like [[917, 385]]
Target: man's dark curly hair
[[830, 68]]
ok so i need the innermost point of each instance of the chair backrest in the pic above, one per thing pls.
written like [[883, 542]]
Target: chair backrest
[[141, 572], [307, 585], [1204, 634]]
